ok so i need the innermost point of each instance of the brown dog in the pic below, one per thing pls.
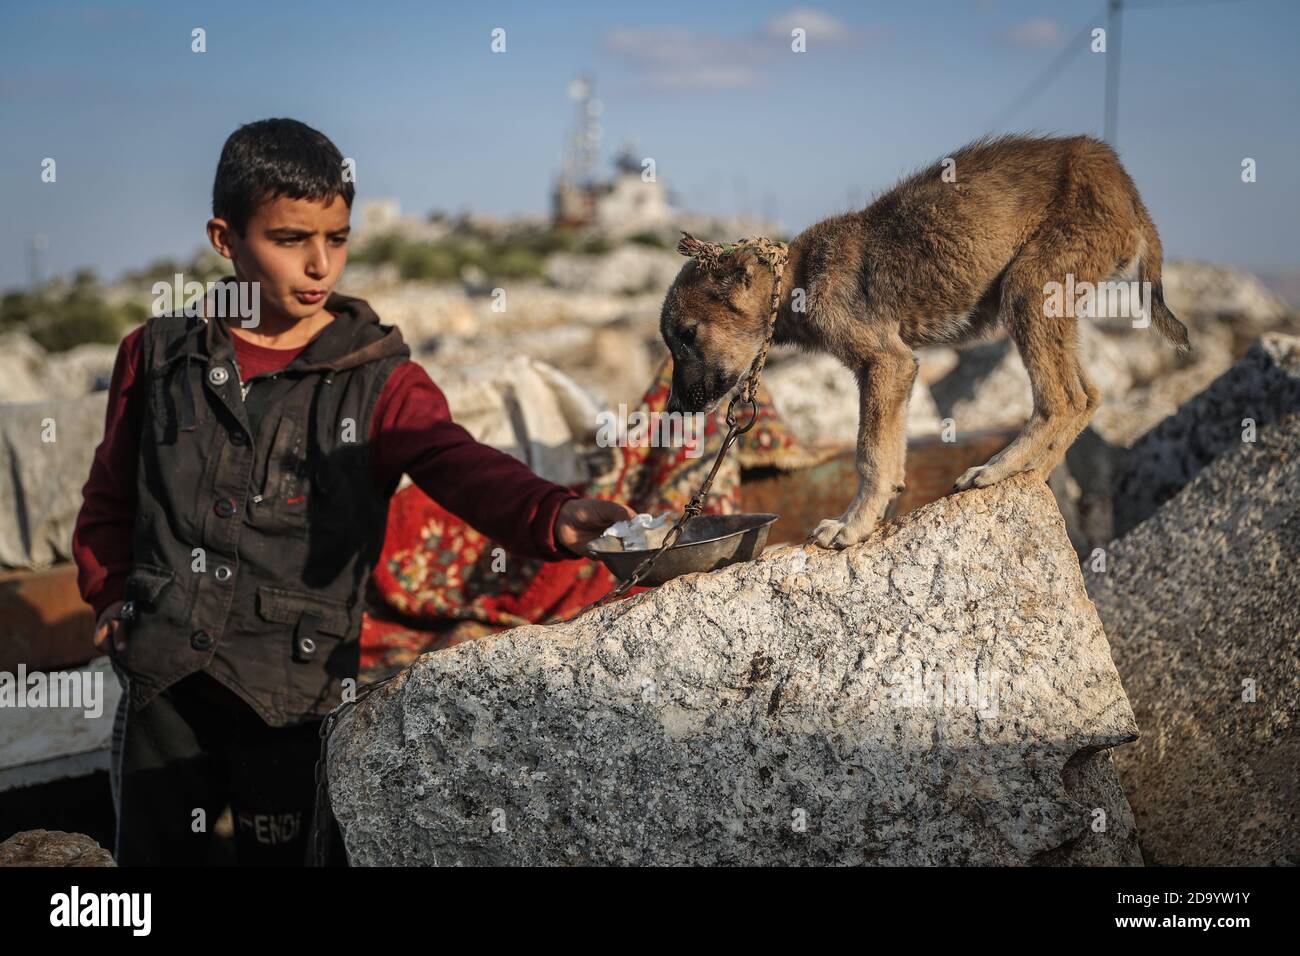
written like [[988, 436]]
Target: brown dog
[[978, 239]]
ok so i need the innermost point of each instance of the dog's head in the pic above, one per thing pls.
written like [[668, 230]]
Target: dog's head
[[714, 321]]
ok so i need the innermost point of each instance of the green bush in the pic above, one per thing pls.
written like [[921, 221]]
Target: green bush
[[518, 256], [423, 261], [64, 315], [652, 239], [77, 323], [17, 309], [596, 245], [515, 264]]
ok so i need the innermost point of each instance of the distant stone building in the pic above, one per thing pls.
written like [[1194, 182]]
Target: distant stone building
[[622, 206], [378, 215], [375, 217]]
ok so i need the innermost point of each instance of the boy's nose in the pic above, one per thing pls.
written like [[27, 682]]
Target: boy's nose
[[318, 261]]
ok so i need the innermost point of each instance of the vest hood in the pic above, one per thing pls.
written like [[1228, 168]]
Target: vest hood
[[362, 345], [354, 338]]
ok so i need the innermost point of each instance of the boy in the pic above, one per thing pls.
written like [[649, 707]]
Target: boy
[[238, 502]]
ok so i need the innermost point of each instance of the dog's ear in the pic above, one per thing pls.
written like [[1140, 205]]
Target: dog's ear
[[706, 254], [736, 266], [746, 266]]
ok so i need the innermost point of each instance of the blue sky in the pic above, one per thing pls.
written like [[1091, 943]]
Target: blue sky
[[733, 119]]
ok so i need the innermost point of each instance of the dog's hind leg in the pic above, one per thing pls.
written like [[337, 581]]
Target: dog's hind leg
[[1064, 439], [884, 385], [1048, 347]]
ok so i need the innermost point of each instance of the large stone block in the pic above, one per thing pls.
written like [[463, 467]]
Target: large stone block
[[1200, 604], [940, 694]]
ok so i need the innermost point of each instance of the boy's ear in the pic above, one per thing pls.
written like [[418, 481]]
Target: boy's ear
[[220, 234]]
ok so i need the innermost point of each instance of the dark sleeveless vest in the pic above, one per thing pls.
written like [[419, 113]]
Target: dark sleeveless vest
[[258, 520]]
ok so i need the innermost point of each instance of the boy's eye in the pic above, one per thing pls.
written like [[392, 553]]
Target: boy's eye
[[339, 240]]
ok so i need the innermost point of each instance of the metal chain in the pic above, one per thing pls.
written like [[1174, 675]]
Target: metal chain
[[775, 255]]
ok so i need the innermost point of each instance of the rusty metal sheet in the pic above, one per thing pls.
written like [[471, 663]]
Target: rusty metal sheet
[[45, 625]]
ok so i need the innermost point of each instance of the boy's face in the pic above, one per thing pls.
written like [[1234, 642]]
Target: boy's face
[[295, 248]]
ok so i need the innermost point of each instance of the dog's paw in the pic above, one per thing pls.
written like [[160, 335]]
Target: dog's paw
[[837, 533], [826, 532], [989, 473], [981, 476]]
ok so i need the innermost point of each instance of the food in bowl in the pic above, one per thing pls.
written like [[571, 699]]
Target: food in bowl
[[642, 533]]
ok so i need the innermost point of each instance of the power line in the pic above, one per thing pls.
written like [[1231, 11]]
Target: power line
[[1154, 4], [1072, 49], [1110, 114], [1041, 82]]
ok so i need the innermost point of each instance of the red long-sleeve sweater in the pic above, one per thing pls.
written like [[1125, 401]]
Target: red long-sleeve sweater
[[412, 432]]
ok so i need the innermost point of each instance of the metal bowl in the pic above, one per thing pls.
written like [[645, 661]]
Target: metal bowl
[[707, 542]]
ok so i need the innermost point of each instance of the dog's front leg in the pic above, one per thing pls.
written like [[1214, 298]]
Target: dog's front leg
[[884, 385]]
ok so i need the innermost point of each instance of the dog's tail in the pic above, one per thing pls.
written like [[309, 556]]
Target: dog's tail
[[1150, 265]]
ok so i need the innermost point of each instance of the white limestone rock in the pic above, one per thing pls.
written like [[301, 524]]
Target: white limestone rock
[[940, 694]]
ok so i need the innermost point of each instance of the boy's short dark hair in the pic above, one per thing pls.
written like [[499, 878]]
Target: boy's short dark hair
[[272, 158]]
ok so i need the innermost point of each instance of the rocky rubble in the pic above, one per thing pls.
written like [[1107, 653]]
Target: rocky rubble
[[818, 398], [527, 409], [1205, 292], [1263, 387], [940, 694], [28, 373], [45, 453], [53, 848], [1200, 604], [989, 387]]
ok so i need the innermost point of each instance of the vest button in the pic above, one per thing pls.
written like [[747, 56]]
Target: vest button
[[201, 641], [237, 437], [306, 646], [218, 376], [226, 508], [223, 572]]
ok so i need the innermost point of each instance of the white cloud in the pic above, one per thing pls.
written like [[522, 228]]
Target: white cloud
[[688, 59], [820, 27], [683, 59], [1039, 33]]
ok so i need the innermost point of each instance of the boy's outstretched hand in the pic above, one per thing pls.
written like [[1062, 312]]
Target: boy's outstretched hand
[[581, 519]]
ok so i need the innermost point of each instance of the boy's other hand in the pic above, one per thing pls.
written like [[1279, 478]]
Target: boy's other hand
[[581, 519], [108, 626]]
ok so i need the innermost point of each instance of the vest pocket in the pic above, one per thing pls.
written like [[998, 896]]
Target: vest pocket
[[311, 617], [147, 586], [282, 606], [146, 583]]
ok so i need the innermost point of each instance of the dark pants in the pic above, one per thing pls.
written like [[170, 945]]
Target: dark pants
[[198, 747]]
